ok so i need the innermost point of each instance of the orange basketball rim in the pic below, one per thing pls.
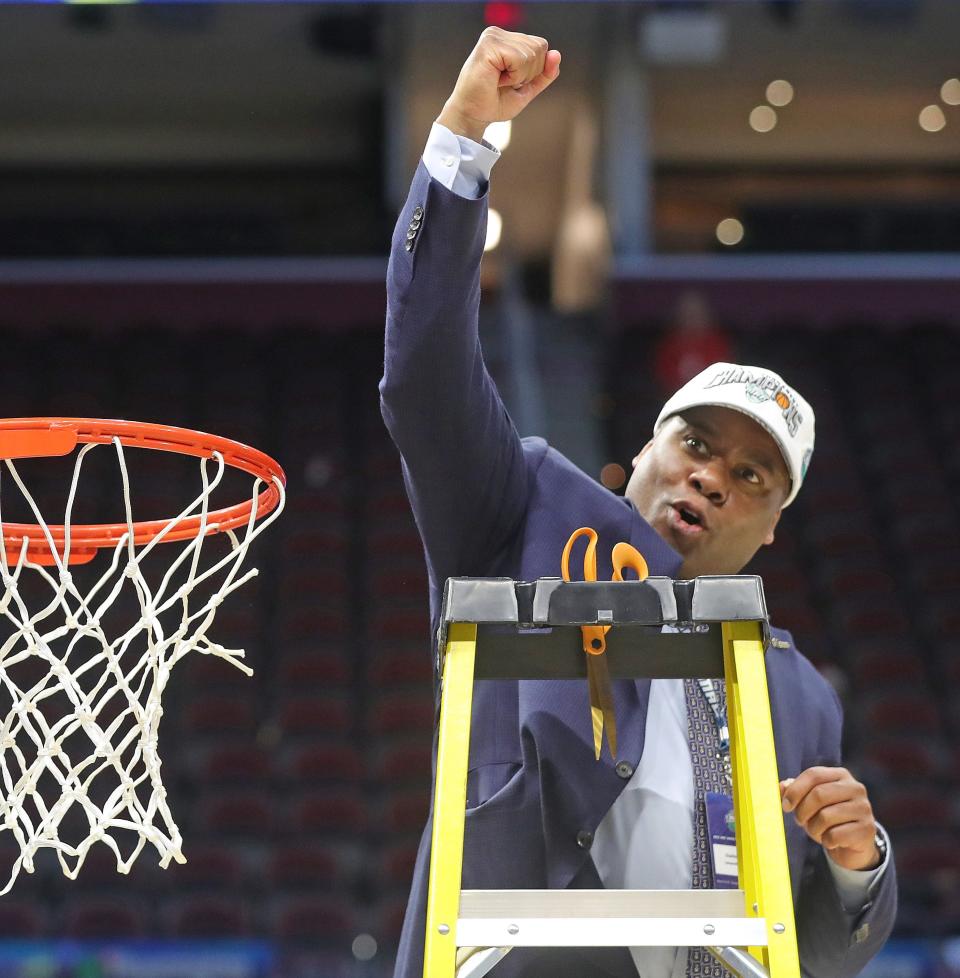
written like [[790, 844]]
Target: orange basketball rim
[[45, 437]]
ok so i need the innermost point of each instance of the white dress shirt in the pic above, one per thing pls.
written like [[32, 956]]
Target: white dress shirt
[[645, 841]]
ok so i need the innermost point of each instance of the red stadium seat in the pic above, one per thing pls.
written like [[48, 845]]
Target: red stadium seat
[[240, 762], [921, 807], [402, 667], [301, 715], [208, 865], [903, 712], [219, 714], [399, 624], [921, 858], [905, 758], [210, 916], [22, 921], [406, 810], [887, 668], [105, 917], [313, 920], [396, 863], [329, 812], [315, 667], [402, 712], [406, 763], [305, 867], [325, 763], [249, 814], [408, 582]]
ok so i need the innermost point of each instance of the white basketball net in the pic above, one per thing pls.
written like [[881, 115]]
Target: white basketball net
[[80, 743]]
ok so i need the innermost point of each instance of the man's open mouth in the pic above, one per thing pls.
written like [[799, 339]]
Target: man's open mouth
[[687, 520]]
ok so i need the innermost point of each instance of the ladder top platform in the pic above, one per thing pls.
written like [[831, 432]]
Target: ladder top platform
[[531, 629]]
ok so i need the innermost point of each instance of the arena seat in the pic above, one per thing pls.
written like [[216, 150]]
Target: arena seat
[[319, 763], [314, 714], [213, 915], [311, 868], [312, 920], [328, 812], [96, 918]]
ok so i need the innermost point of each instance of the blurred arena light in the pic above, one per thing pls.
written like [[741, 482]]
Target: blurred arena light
[[950, 91], [494, 230], [509, 16], [763, 118], [498, 134], [932, 119], [613, 475], [681, 35], [780, 93], [364, 947], [730, 231]]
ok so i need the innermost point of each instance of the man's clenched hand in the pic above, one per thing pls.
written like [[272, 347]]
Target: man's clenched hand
[[505, 72], [833, 809]]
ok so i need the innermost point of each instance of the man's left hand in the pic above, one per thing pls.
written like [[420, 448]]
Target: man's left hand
[[833, 809]]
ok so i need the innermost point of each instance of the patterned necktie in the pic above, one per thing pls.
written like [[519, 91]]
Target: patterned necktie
[[709, 774]]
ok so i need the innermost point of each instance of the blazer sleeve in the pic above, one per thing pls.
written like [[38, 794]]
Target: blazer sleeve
[[833, 942], [463, 462]]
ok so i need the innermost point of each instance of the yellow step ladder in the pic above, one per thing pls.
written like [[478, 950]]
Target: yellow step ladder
[[719, 629]]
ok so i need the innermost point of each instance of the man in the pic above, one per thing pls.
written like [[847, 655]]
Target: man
[[729, 452]]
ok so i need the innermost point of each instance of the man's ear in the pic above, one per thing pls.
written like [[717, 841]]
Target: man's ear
[[768, 539], [643, 451]]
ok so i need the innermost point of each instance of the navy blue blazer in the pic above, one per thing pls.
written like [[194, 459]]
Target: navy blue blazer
[[488, 503]]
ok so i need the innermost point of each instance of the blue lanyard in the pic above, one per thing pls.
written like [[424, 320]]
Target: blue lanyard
[[709, 689]]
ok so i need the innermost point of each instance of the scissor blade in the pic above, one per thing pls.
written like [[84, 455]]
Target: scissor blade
[[596, 708], [601, 702]]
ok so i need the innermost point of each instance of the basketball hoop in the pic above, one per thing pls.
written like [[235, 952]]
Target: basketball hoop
[[80, 709]]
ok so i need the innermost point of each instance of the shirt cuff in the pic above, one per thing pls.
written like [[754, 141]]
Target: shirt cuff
[[459, 163], [855, 887]]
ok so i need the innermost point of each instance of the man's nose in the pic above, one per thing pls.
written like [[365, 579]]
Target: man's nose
[[710, 480]]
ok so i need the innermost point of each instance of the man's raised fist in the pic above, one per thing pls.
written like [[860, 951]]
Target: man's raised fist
[[503, 74]]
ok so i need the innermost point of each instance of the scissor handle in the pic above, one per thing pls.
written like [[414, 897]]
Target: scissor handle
[[589, 558], [626, 557]]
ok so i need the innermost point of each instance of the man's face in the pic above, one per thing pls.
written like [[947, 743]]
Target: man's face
[[711, 483]]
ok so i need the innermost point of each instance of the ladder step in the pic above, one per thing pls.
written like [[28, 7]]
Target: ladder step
[[602, 903], [607, 918]]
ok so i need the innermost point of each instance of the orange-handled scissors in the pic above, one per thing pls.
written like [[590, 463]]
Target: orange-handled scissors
[[625, 557]]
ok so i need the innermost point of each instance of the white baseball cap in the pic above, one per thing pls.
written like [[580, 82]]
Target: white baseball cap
[[762, 395]]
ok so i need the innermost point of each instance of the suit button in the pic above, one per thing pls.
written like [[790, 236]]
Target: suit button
[[584, 839], [624, 770], [411, 234], [418, 212], [408, 245]]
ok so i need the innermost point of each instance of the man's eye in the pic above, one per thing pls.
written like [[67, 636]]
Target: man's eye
[[695, 443], [751, 476]]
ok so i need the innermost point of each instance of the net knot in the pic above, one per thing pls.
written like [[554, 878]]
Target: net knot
[[132, 569], [66, 578]]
